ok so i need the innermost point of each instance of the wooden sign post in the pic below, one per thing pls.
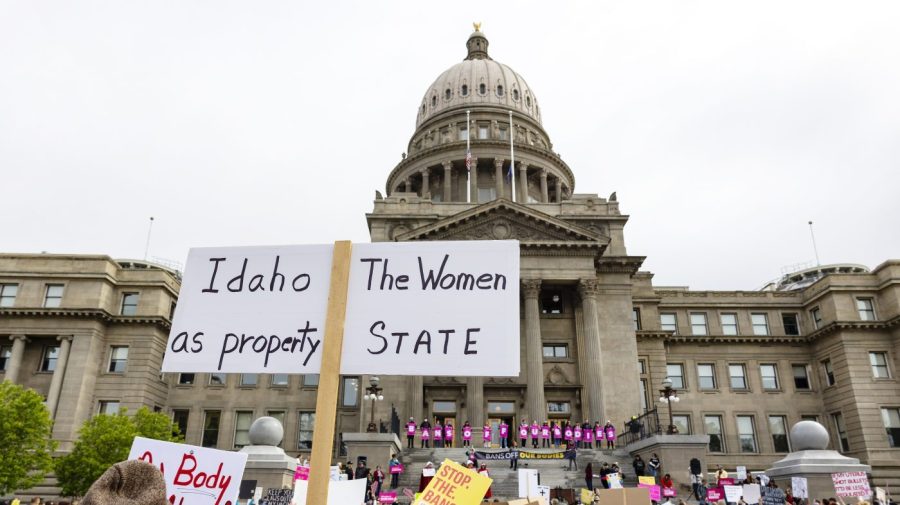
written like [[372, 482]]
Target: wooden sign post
[[329, 377]]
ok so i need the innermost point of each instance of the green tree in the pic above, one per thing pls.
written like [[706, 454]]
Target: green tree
[[105, 440], [25, 443]]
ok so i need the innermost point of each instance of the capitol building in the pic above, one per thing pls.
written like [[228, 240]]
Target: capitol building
[[598, 338]]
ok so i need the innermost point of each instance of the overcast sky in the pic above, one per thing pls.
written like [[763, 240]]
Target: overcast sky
[[723, 126]]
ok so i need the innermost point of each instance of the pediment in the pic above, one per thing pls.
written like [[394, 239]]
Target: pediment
[[505, 220]]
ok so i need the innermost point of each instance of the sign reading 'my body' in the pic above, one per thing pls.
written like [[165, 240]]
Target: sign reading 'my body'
[[435, 308]]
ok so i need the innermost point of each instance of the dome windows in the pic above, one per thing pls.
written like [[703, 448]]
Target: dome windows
[[515, 94], [499, 90], [482, 89], [434, 101], [528, 101], [447, 94], [464, 91]]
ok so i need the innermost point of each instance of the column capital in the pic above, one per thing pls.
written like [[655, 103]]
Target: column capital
[[521, 165], [544, 173], [23, 338], [588, 288], [424, 171], [66, 338], [531, 287], [447, 165], [498, 163]]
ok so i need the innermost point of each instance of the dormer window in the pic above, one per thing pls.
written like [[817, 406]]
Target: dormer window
[[447, 94], [434, 101], [516, 94], [465, 90], [499, 90], [528, 101], [482, 89]]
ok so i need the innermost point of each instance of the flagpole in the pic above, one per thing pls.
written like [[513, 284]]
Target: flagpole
[[512, 159], [468, 158]]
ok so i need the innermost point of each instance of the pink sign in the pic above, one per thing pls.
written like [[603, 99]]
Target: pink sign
[[655, 493], [410, 429], [523, 432], [504, 430], [667, 491], [467, 433], [387, 497], [851, 484], [715, 494], [397, 469], [726, 481], [302, 473]]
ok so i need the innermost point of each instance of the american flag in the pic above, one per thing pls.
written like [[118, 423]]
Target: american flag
[[469, 161]]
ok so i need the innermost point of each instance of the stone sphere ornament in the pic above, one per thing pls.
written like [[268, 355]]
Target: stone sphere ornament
[[809, 436], [266, 431]]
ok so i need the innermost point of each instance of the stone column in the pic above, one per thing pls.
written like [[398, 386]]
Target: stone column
[[523, 183], [534, 360], [558, 190], [448, 186], [545, 197], [425, 183], [473, 181], [416, 398], [15, 358], [65, 343], [588, 289], [474, 403], [408, 184], [498, 177]]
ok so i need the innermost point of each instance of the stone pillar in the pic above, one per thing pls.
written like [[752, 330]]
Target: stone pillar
[[498, 177], [558, 190], [588, 289], [15, 358], [475, 403], [534, 360], [545, 197], [65, 343], [523, 183], [416, 398], [448, 169], [408, 184], [425, 183], [473, 181]]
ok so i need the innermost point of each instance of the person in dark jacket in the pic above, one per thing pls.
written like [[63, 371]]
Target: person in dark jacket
[[362, 471], [589, 476], [639, 466]]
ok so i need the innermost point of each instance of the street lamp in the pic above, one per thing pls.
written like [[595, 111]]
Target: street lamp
[[668, 396], [373, 392]]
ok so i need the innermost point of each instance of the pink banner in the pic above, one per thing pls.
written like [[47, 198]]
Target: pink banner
[[467, 434], [726, 481], [397, 469], [715, 494], [387, 497], [667, 491], [655, 493], [302, 473]]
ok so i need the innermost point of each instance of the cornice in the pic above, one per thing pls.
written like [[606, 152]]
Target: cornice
[[738, 339], [652, 335], [853, 325], [619, 264], [95, 314]]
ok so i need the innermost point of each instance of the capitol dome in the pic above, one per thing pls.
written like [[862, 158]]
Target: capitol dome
[[478, 80]]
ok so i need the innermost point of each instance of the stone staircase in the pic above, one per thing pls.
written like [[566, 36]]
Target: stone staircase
[[553, 472]]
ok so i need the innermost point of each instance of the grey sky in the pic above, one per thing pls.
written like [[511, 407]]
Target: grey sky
[[723, 127]]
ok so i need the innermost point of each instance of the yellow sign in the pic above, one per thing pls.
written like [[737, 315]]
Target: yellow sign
[[455, 485], [587, 496], [647, 480]]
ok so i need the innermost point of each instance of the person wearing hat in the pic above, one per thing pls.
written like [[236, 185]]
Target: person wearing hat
[[128, 483], [425, 480], [484, 471]]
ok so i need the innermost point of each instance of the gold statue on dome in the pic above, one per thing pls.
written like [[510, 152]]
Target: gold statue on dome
[[477, 26]]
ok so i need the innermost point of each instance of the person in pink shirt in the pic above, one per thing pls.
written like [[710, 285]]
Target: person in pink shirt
[[486, 434], [610, 435], [588, 434], [557, 434], [567, 432], [523, 434], [504, 434], [545, 434], [410, 433], [448, 434], [578, 434], [535, 433], [599, 435], [467, 434], [425, 428], [438, 434]]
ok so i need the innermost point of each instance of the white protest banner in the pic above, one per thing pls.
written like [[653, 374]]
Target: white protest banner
[[881, 495], [528, 483], [751, 493], [340, 492], [441, 308], [741, 473], [733, 493], [544, 492], [194, 475], [799, 487], [851, 484]]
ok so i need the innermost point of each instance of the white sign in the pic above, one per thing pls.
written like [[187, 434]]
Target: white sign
[[528, 483], [615, 481], [340, 492], [436, 308], [851, 484], [194, 475], [733, 493], [751, 493], [741, 473], [881, 495], [544, 492], [799, 487]]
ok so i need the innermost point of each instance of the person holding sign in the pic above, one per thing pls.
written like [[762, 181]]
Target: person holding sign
[[484, 471], [448, 434], [579, 433], [666, 483], [523, 434], [535, 433], [588, 435], [557, 434], [410, 433], [438, 434], [504, 434], [567, 432], [425, 428], [610, 435], [395, 469], [467, 434], [427, 474], [545, 435], [486, 434]]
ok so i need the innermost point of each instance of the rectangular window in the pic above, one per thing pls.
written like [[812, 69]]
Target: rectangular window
[[769, 374], [737, 376], [8, 294], [444, 406], [129, 304], [729, 324], [746, 433], [809, 417], [838, 420], [551, 301], [714, 430], [504, 132], [558, 407], [463, 134], [636, 319], [829, 372], [350, 397], [311, 380], [242, 421], [801, 377], [668, 322], [186, 378], [307, 425], [644, 399], [495, 408], [51, 354], [675, 372], [211, 419], [760, 324], [249, 379], [118, 358], [53, 295], [879, 365], [109, 407], [791, 324], [891, 418], [483, 132], [816, 315], [682, 424], [180, 419], [217, 379], [280, 379], [642, 366], [277, 414], [556, 351], [778, 428], [698, 324], [5, 356], [487, 194], [866, 309], [706, 373]]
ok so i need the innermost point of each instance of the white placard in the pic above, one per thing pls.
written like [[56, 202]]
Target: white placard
[[733, 493], [428, 472], [528, 483], [799, 487], [851, 484], [752, 493], [193, 474], [615, 480], [436, 308], [544, 492], [741, 473], [881, 495], [340, 492]]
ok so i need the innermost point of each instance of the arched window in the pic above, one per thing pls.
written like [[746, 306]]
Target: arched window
[[434, 100], [447, 94], [482, 89], [516, 94], [465, 90], [423, 107], [528, 101], [499, 90]]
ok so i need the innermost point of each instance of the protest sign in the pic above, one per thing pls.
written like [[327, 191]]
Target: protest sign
[[628, 496], [655, 494], [428, 472], [669, 492], [193, 474], [454, 485], [615, 480], [880, 495], [302, 473], [387, 497], [528, 482], [647, 480], [277, 497], [714, 494], [733, 493], [544, 492], [741, 473], [587, 496], [340, 492], [752, 494], [851, 484], [799, 488], [263, 309], [396, 468], [726, 481]]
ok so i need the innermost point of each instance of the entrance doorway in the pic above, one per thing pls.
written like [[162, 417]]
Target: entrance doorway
[[495, 430]]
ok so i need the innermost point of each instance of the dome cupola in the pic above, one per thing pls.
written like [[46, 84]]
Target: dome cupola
[[477, 44]]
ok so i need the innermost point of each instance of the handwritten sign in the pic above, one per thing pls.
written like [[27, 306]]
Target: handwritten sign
[[455, 485], [396, 468], [302, 473], [194, 475], [714, 494], [752, 494], [262, 309], [733, 493], [340, 492], [799, 487], [646, 480], [387, 497], [726, 481], [669, 492], [277, 497], [851, 484], [741, 473]]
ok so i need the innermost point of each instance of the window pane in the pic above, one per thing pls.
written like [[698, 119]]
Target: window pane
[[698, 324], [8, 294], [129, 304], [729, 324], [551, 301], [760, 324], [636, 319], [211, 428], [866, 309], [5, 356], [280, 379], [769, 376], [714, 430], [351, 392], [838, 421], [186, 378], [801, 377], [558, 407], [791, 324], [683, 424], [501, 408], [109, 407], [248, 379], [779, 434], [48, 364], [816, 317], [180, 419], [891, 418], [668, 322], [644, 399], [738, 377], [829, 372], [706, 373], [118, 358], [307, 425], [444, 406], [879, 365], [746, 434], [242, 421], [675, 372], [53, 296], [217, 379]]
